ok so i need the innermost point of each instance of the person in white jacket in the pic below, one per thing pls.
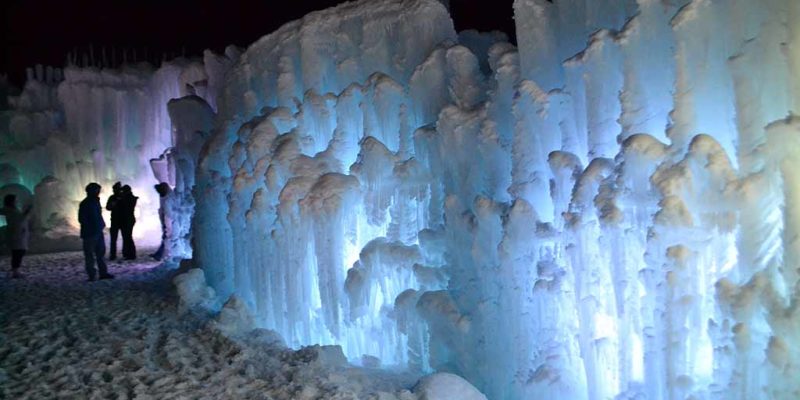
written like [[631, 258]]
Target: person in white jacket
[[17, 231]]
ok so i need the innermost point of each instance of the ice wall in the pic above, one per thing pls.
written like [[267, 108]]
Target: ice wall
[[606, 212], [84, 124], [309, 172]]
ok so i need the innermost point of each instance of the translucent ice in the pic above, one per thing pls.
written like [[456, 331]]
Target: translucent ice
[[607, 212], [86, 124]]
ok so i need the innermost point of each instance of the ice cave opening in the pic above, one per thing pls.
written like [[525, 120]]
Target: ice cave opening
[[607, 210]]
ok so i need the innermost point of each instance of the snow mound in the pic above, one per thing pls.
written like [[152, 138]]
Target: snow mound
[[445, 386], [235, 319], [193, 291]]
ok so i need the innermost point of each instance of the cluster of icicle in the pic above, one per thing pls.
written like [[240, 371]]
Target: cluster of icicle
[[97, 124], [68, 128], [607, 211]]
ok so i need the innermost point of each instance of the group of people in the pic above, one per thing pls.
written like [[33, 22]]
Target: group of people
[[121, 204]]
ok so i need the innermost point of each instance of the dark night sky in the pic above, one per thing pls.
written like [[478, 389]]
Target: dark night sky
[[44, 31]]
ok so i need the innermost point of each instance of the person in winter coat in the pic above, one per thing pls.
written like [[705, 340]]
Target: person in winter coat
[[17, 230], [113, 205], [127, 204], [90, 215]]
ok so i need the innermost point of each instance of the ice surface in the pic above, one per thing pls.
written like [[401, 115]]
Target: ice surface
[[303, 174], [608, 211], [68, 128], [601, 214]]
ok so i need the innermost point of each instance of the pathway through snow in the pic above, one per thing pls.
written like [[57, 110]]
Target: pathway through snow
[[64, 337]]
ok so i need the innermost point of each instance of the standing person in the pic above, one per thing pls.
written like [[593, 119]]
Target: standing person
[[92, 224], [163, 190], [113, 205], [17, 230], [127, 206]]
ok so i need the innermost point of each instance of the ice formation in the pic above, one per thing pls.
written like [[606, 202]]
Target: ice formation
[[607, 211], [86, 123]]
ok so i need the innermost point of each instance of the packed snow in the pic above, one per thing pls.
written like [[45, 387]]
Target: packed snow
[[129, 338], [607, 211]]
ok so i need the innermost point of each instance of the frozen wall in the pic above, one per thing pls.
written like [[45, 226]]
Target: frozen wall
[[309, 172], [88, 124], [605, 212]]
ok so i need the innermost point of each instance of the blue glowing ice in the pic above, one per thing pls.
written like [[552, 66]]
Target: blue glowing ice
[[572, 224]]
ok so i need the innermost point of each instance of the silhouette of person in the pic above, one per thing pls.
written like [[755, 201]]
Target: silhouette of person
[[163, 190], [127, 204], [17, 231], [90, 217], [113, 205]]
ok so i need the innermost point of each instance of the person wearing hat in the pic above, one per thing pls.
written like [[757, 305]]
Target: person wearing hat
[[90, 217], [17, 231], [113, 205]]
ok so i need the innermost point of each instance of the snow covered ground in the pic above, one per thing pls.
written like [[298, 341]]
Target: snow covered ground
[[64, 337]]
